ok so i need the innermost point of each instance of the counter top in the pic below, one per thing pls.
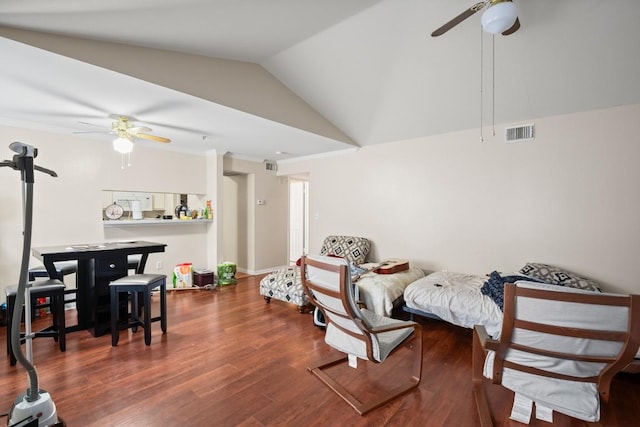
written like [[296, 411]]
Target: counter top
[[147, 222]]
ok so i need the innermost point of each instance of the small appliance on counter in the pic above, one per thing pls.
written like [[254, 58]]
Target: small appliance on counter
[[181, 210], [136, 209]]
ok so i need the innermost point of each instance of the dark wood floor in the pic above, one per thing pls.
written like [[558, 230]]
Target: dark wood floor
[[229, 359]]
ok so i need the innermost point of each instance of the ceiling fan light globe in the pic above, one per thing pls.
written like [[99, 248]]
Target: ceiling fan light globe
[[122, 145], [499, 17]]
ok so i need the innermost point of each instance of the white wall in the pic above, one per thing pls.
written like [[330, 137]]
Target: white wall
[[68, 209], [569, 198]]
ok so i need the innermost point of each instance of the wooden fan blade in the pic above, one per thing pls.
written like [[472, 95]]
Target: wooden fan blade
[[458, 19], [151, 137], [513, 28]]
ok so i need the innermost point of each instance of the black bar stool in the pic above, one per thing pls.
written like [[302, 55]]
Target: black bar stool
[[133, 261], [63, 268], [138, 285], [52, 289]]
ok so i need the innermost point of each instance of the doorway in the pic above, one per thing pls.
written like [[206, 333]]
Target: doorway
[[235, 220], [298, 217]]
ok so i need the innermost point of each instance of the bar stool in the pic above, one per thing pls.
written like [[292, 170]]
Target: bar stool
[[133, 261], [136, 285], [52, 289], [63, 268]]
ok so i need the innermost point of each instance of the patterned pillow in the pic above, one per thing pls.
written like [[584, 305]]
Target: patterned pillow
[[353, 249], [557, 276]]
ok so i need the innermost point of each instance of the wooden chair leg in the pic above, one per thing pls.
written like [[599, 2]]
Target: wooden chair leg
[[416, 344], [402, 387], [478, 356]]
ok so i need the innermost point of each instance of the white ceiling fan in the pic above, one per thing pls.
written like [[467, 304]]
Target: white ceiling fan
[[124, 129], [500, 17], [126, 133]]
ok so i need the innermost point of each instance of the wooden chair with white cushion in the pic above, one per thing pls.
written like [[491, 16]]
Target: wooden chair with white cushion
[[559, 348], [367, 339]]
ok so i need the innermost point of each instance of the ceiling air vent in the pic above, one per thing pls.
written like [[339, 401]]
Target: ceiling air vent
[[519, 133], [270, 166]]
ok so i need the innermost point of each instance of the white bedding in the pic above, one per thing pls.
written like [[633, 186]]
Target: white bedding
[[455, 298], [379, 291], [458, 300]]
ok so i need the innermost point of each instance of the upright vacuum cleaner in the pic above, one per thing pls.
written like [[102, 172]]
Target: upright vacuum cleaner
[[34, 408]]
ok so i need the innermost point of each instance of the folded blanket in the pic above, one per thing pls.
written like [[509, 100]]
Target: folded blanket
[[494, 287]]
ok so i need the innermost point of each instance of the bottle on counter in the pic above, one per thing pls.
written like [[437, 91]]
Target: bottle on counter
[[209, 210]]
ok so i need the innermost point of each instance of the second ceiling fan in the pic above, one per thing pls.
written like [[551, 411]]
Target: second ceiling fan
[[500, 17]]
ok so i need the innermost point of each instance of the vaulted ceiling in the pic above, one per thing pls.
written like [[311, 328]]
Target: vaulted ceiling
[[289, 78]]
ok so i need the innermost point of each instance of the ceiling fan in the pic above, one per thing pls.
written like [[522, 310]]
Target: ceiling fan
[[126, 131], [500, 17]]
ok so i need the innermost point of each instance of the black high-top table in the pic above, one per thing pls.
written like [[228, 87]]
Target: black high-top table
[[98, 264]]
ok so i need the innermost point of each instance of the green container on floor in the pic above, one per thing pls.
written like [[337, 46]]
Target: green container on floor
[[226, 274]]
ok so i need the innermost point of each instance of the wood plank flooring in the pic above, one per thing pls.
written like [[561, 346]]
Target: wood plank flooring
[[230, 359]]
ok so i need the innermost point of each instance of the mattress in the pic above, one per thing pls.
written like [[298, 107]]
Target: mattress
[[379, 291], [455, 298]]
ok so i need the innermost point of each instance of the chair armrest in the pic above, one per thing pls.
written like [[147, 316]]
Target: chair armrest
[[486, 342], [387, 328]]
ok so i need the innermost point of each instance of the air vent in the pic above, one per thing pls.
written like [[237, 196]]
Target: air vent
[[270, 166], [519, 133]]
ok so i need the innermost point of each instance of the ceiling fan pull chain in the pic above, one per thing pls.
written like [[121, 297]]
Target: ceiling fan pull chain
[[493, 83], [481, 79]]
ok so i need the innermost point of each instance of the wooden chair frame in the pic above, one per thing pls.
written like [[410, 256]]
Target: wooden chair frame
[[482, 343], [414, 340]]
